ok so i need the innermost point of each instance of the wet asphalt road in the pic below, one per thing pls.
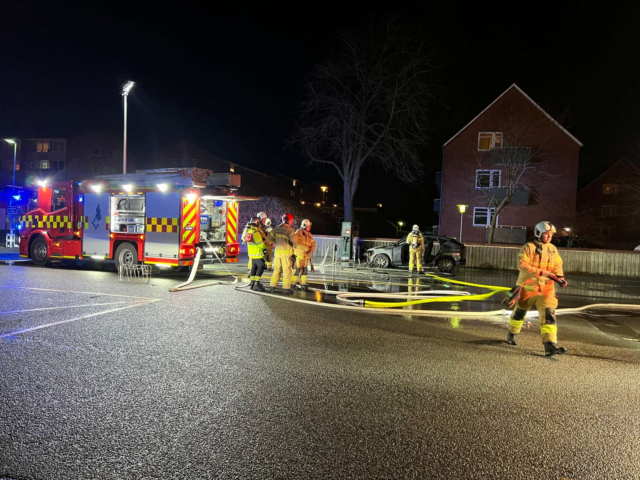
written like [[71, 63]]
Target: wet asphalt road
[[131, 381]]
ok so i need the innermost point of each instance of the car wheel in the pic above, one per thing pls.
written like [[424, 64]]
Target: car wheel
[[126, 254], [39, 252], [381, 261], [445, 264]]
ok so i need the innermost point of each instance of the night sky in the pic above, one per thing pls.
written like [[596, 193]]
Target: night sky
[[232, 82]]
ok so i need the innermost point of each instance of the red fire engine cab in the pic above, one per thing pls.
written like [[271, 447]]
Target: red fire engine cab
[[158, 217]]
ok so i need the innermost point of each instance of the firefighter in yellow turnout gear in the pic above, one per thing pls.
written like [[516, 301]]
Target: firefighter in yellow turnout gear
[[257, 252], [303, 252], [540, 266], [263, 218], [267, 230], [285, 240], [415, 240]]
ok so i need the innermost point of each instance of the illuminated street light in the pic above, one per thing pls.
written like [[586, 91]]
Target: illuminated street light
[[401, 223], [324, 190], [125, 93], [302, 202], [379, 205], [318, 205], [462, 209]]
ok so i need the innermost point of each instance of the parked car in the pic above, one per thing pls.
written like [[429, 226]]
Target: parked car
[[444, 253]]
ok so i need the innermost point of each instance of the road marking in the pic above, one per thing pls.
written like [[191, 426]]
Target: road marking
[[75, 291], [9, 312], [18, 332]]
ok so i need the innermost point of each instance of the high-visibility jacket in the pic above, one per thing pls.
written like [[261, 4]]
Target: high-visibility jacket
[[255, 242], [417, 240], [306, 244], [536, 258], [284, 238], [243, 237]]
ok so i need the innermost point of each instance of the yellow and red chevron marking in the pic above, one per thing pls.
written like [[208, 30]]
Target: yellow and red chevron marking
[[190, 215], [162, 225], [232, 260], [45, 221], [232, 222]]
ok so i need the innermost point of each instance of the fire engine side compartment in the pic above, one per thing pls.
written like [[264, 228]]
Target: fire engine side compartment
[[96, 230], [162, 241]]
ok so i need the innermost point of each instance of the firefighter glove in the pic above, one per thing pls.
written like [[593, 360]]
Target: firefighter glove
[[293, 259]]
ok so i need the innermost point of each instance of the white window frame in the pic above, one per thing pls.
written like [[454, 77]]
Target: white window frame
[[491, 185], [45, 162], [494, 135], [490, 212]]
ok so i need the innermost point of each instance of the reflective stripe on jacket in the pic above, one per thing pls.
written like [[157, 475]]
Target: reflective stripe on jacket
[[284, 238], [306, 244], [255, 241], [535, 258]]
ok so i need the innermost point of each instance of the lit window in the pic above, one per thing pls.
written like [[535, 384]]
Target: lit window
[[609, 211], [42, 147], [292, 193], [294, 183], [488, 178], [481, 216], [44, 165], [609, 189], [489, 140], [232, 168], [96, 151]]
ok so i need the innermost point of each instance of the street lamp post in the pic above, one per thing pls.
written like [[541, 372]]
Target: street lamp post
[[324, 190], [13, 188], [462, 209], [125, 93], [399, 229]]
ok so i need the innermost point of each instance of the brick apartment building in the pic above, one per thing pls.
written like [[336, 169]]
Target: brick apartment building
[[474, 169], [608, 207]]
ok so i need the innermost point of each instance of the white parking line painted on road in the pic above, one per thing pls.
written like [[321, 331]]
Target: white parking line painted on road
[[25, 330], [75, 291], [9, 312]]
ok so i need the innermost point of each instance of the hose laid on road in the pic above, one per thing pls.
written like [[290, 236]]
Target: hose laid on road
[[186, 285]]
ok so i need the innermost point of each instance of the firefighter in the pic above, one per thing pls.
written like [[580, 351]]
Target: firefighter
[[262, 216], [540, 266], [415, 240], [257, 253], [303, 252], [267, 230], [285, 240]]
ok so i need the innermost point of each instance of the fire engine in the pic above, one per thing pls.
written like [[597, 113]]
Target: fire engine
[[157, 217]]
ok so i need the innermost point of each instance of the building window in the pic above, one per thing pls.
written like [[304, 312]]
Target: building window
[[44, 165], [488, 178], [608, 232], [42, 147], [481, 216], [294, 183], [57, 165], [609, 189], [58, 147], [183, 162], [292, 193], [232, 168], [194, 162], [609, 211], [96, 151], [489, 140]]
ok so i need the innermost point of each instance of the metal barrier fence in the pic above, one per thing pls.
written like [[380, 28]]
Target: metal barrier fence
[[330, 241], [593, 262]]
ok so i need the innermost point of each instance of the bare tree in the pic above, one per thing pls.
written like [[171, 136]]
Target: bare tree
[[368, 104], [510, 161]]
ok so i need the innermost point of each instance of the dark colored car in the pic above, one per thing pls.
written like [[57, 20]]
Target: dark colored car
[[444, 253]]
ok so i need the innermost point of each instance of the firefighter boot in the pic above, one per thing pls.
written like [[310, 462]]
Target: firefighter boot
[[287, 291], [253, 282], [551, 349], [257, 286], [270, 289], [511, 339]]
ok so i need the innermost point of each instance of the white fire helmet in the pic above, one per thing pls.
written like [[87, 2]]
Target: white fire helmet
[[306, 224], [544, 227], [267, 222], [416, 228], [262, 216]]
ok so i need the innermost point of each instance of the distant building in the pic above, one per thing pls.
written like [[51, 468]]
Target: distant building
[[604, 199], [472, 167]]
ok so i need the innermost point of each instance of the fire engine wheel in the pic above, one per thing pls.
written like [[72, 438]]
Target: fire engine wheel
[[445, 264], [381, 261], [39, 252], [126, 254]]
